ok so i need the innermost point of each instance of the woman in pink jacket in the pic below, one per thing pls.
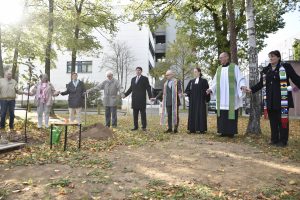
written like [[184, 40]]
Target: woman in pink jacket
[[43, 91]]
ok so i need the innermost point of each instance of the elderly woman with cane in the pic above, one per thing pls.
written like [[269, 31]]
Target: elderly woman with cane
[[43, 91]]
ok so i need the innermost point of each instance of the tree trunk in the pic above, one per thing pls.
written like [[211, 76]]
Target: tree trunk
[[74, 49], [49, 39], [255, 103], [232, 30], [17, 42], [15, 58], [76, 35], [126, 77], [1, 60], [182, 88], [122, 68], [221, 31]]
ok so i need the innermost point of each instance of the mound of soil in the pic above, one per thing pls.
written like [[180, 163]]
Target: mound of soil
[[97, 131]]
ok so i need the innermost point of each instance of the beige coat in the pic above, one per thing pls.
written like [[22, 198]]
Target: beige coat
[[8, 89]]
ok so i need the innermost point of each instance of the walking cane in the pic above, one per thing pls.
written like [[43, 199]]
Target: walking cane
[[27, 106], [85, 97]]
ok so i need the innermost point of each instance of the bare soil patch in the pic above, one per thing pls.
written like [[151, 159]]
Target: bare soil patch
[[238, 170]]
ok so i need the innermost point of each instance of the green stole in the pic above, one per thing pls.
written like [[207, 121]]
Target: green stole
[[231, 78]]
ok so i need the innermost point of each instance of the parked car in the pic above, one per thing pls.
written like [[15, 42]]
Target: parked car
[[212, 106]]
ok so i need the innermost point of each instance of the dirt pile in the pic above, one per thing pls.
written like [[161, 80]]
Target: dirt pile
[[97, 132]]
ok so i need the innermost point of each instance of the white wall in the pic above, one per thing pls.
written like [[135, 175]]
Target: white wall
[[171, 30], [137, 39]]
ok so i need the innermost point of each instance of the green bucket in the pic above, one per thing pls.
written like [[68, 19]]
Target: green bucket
[[56, 135]]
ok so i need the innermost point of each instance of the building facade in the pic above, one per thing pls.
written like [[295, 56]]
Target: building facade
[[139, 41]]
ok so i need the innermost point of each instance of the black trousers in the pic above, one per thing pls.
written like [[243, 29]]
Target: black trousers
[[225, 125], [278, 134], [136, 117], [170, 121]]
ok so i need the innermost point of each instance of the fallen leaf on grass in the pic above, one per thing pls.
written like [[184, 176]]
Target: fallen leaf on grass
[[292, 182], [26, 189]]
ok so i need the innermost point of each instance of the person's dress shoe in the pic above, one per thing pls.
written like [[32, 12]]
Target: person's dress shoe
[[282, 144], [273, 143], [175, 130], [168, 131], [144, 129], [134, 129]]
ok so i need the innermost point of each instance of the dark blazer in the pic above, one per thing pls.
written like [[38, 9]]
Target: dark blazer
[[273, 85], [138, 91], [76, 96], [179, 91]]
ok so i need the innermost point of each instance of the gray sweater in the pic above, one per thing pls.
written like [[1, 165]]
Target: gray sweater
[[111, 89]]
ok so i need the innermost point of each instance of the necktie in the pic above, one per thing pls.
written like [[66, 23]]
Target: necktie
[[137, 79]]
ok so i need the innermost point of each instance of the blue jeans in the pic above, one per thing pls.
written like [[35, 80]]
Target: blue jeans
[[111, 113], [10, 106]]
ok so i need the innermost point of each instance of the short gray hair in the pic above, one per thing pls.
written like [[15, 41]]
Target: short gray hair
[[171, 72], [109, 73], [44, 76]]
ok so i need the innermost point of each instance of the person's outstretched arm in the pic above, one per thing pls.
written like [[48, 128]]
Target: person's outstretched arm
[[148, 88], [293, 75], [67, 91], [128, 92], [258, 86], [205, 88], [188, 89]]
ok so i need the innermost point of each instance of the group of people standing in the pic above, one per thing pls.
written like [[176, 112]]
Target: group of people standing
[[228, 87]]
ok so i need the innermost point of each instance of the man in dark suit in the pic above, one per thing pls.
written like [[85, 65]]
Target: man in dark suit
[[139, 86]]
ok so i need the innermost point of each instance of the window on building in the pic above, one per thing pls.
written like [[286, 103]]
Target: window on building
[[81, 66], [160, 57], [160, 39]]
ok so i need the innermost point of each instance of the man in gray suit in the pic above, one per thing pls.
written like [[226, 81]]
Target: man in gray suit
[[111, 87], [75, 90]]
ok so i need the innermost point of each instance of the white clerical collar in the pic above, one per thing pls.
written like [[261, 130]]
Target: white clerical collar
[[197, 80]]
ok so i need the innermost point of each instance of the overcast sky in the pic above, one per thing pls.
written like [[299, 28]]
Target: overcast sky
[[282, 40]]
